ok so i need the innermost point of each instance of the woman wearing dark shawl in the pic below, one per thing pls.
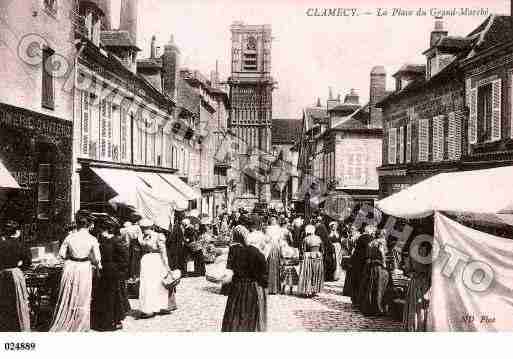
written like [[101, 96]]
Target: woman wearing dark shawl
[[14, 309], [246, 307], [108, 309], [358, 261], [377, 277]]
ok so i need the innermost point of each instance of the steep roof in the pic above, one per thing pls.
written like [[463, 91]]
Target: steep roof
[[285, 130], [357, 120], [117, 38], [150, 63], [315, 115], [411, 68], [495, 30]]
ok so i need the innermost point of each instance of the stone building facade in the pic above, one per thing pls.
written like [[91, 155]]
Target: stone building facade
[[36, 114]]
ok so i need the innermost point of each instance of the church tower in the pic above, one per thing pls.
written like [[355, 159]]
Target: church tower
[[251, 85]]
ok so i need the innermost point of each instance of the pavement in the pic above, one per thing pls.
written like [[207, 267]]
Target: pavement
[[201, 309]]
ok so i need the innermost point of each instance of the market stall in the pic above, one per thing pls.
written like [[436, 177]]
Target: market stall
[[471, 272]]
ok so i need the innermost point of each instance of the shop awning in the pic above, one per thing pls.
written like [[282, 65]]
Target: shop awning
[[123, 182], [7, 181], [481, 191], [164, 190], [181, 186]]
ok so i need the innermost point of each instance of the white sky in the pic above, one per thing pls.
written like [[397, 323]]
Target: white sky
[[309, 53]]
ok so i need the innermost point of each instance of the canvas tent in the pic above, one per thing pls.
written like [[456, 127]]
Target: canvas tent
[[456, 299]]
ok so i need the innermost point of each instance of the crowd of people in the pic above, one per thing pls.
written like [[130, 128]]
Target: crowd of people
[[265, 255]]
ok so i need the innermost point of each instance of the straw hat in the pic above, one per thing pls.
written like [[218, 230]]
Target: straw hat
[[309, 229]]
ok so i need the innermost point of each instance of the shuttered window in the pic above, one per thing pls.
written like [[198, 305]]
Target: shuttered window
[[438, 138], [496, 109], [392, 145], [106, 130], [454, 134], [472, 123], [401, 144], [408, 142], [85, 109], [423, 140], [123, 134], [47, 98]]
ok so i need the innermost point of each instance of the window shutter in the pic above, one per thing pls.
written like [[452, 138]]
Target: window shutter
[[392, 143], [496, 109], [109, 130], [423, 140], [472, 123], [86, 114], [401, 144], [455, 121], [438, 138], [408, 142]]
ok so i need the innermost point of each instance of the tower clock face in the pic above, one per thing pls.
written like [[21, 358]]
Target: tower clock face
[[251, 43]]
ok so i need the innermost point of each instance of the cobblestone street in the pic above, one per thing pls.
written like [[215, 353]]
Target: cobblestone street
[[201, 308]]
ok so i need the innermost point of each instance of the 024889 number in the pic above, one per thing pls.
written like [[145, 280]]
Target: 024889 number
[[20, 346]]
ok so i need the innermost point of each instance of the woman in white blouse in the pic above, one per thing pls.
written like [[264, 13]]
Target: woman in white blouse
[[81, 251]]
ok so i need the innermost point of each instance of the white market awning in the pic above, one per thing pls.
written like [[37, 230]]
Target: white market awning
[[164, 190], [7, 181], [181, 186], [480, 191], [123, 182]]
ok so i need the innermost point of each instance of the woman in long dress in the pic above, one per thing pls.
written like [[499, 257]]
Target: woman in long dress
[[275, 234], [81, 251], [14, 308], [246, 307], [108, 307], [311, 270], [371, 301], [334, 238], [153, 296]]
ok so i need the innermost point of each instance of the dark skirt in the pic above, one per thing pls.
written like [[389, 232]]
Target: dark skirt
[[246, 307], [134, 260], [329, 263], [273, 267], [125, 303], [311, 274], [107, 305], [14, 308], [371, 299]]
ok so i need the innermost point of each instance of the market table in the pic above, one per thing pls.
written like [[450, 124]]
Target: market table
[[43, 290]]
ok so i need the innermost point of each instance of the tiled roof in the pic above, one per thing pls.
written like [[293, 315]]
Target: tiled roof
[[358, 120], [117, 38], [346, 107], [453, 42], [187, 97], [148, 63], [421, 82], [285, 130], [415, 68], [499, 31], [315, 115]]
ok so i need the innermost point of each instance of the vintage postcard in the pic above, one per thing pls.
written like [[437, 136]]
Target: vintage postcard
[[255, 166]]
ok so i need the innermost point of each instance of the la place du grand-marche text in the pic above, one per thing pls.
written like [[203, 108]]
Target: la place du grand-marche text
[[397, 12]]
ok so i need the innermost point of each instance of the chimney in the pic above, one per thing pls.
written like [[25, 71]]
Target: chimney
[[106, 7], [352, 97], [378, 78], [128, 18], [332, 102], [152, 48], [170, 68], [318, 102], [438, 32]]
